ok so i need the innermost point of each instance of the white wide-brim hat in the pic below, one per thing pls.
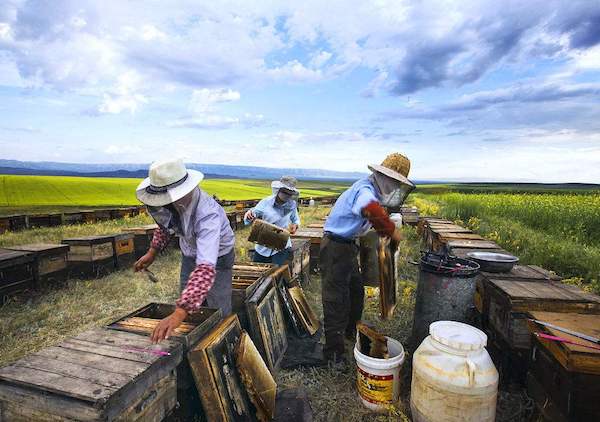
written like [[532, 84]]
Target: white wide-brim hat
[[167, 181]]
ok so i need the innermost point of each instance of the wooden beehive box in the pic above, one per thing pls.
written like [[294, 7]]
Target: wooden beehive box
[[4, 224], [567, 375], [88, 216], [223, 395], [315, 235], [44, 220], [517, 273], [73, 218], [90, 256], [299, 262], [511, 300], [265, 320], [142, 321], [102, 215], [17, 272], [142, 238], [440, 239], [50, 264], [243, 286], [124, 248], [99, 375]]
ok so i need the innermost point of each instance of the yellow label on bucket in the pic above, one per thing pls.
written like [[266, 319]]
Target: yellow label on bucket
[[376, 389]]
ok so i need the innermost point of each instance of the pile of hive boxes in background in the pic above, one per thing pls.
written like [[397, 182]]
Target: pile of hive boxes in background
[[561, 378]]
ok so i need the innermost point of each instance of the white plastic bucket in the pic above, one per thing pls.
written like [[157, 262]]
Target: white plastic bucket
[[378, 380], [397, 219]]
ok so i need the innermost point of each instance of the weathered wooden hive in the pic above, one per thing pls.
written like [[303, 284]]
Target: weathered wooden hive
[[90, 256], [142, 238], [246, 279], [50, 264], [17, 272], [299, 263], [510, 300], [99, 375], [315, 235], [124, 248], [564, 379], [44, 220]]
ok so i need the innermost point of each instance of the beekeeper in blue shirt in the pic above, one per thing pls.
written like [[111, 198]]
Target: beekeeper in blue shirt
[[280, 209]]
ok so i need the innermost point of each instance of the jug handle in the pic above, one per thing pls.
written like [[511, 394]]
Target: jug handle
[[471, 368]]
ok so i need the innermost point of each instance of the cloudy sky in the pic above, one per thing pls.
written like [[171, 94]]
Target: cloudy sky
[[469, 90]]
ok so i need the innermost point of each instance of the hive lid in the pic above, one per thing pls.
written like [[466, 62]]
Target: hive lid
[[458, 335]]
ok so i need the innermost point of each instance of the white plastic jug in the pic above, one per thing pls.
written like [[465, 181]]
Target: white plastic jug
[[453, 376]]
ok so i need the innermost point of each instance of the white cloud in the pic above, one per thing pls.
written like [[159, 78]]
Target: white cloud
[[203, 99]]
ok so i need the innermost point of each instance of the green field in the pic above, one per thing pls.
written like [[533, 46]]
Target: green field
[[53, 192], [556, 228]]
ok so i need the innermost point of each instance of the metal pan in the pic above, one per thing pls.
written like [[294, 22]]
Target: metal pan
[[494, 262]]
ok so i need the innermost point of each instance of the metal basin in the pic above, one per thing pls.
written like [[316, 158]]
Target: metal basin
[[493, 262]]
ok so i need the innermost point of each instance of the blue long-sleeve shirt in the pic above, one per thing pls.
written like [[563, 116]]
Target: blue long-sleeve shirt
[[281, 215]]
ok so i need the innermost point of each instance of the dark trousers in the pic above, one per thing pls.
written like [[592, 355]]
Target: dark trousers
[[342, 293], [219, 295], [280, 258]]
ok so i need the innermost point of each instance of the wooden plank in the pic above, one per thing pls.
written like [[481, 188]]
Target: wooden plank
[[480, 244], [537, 290], [56, 383], [572, 357], [106, 378], [99, 360]]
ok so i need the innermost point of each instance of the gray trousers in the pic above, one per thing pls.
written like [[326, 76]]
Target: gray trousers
[[219, 296]]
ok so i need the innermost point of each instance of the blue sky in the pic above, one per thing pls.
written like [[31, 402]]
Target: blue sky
[[486, 90]]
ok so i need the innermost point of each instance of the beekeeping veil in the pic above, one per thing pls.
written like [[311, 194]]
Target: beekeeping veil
[[390, 179]]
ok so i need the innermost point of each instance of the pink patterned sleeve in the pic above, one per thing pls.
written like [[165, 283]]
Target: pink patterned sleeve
[[199, 283], [160, 239]]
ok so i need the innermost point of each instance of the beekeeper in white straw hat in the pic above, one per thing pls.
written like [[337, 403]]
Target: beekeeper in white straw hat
[[280, 209], [177, 204]]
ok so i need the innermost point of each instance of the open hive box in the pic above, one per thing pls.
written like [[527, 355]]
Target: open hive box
[[17, 272], [98, 375], [564, 379], [246, 278], [50, 262], [143, 321], [90, 256]]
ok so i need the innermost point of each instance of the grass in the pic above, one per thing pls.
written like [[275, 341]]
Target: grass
[[557, 231], [49, 192]]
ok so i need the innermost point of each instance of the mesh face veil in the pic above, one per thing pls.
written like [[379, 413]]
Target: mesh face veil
[[178, 215], [392, 192]]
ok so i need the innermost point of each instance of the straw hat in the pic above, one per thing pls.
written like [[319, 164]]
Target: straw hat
[[395, 166], [168, 180]]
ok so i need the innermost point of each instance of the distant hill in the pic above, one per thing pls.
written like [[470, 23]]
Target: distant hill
[[48, 168]]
